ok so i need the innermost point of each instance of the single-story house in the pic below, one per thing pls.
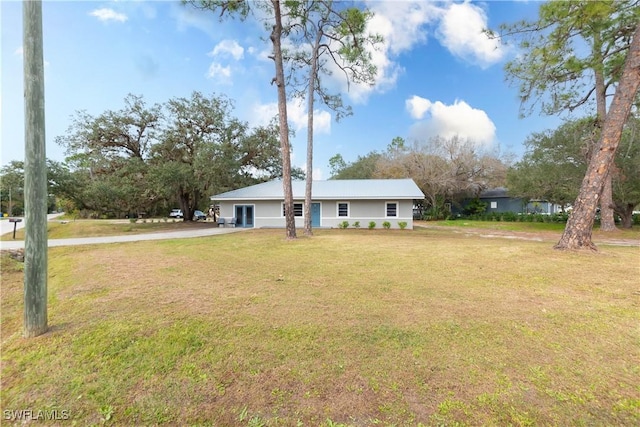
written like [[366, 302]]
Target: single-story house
[[333, 202], [499, 201]]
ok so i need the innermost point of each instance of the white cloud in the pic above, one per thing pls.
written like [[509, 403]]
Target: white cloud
[[106, 14], [461, 32], [316, 175], [218, 72], [417, 106], [297, 115], [458, 119], [403, 25], [228, 48], [263, 114], [190, 17]]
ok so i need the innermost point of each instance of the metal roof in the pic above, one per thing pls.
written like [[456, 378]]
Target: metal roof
[[494, 193], [335, 189]]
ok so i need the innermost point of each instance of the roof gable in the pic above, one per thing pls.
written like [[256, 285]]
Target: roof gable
[[335, 189]]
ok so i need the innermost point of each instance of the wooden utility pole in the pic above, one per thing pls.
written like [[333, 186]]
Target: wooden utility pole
[[35, 174]]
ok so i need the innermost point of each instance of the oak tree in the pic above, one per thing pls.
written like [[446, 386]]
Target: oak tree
[[276, 31]]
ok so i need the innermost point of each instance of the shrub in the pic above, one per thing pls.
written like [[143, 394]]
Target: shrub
[[509, 216], [372, 225], [402, 225], [475, 207], [386, 225], [133, 220], [356, 224], [344, 224]]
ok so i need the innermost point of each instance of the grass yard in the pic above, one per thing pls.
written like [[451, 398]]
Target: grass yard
[[348, 328], [544, 229]]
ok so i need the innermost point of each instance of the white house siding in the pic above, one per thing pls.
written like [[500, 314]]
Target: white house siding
[[268, 214], [365, 211]]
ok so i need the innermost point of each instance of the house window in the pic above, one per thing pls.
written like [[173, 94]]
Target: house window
[[392, 209], [494, 205], [297, 209], [343, 209]]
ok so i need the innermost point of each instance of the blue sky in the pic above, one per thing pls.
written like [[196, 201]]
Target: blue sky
[[437, 73]]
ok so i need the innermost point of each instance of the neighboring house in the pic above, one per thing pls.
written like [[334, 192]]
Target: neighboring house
[[333, 202], [499, 201]]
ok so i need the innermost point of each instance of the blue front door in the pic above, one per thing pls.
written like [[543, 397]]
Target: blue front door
[[315, 214], [244, 216]]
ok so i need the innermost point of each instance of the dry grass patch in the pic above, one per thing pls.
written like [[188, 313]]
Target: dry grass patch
[[356, 327], [537, 230]]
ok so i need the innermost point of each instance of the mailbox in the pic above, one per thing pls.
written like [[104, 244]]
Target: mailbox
[[15, 222]]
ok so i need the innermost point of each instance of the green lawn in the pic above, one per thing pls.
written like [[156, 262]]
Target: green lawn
[[350, 327]]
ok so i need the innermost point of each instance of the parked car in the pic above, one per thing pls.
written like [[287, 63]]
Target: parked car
[[198, 215], [175, 213]]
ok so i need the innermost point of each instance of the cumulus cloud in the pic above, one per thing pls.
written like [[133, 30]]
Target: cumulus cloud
[[417, 106], [403, 25], [218, 72], [105, 14], [461, 31], [190, 17], [316, 174], [297, 114], [263, 114], [458, 119], [224, 49], [228, 48]]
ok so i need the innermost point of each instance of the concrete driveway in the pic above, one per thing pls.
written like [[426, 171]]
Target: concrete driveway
[[6, 227]]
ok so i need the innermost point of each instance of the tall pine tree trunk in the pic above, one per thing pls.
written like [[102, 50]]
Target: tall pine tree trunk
[[607, 218], [313, 75], [577, 233], [285, 147], [607, 222]]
